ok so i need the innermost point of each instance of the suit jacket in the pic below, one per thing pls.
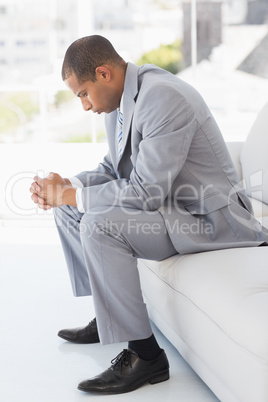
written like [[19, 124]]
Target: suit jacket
[[174, 162]]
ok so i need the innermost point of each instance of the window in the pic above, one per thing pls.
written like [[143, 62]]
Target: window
[[231, 55]]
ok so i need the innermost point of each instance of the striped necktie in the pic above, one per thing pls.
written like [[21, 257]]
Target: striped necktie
[[120, 133]]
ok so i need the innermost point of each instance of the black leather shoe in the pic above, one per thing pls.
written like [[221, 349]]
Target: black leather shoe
[[88, 334], [128, 372]]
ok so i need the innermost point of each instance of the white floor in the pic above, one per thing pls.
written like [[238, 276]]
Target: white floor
[[35, 302]]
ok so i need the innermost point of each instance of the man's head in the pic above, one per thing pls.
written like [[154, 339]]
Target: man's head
[[95, 72], [86, 54]]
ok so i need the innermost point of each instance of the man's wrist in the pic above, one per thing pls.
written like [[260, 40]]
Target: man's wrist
[[69, 196]]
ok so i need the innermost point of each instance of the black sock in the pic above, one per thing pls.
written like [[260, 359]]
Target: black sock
[[146, 349]]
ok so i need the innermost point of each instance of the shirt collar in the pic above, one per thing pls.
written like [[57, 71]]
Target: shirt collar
[[121, 103]]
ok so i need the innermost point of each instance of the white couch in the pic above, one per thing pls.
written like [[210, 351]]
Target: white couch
[[213, 306]]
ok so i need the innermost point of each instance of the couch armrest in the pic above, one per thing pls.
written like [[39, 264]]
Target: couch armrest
[[260, 211], [235, 151]]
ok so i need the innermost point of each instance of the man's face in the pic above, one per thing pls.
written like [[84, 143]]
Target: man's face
[[97, 96]]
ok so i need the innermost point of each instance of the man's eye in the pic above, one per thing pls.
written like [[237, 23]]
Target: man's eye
[[84, 95]]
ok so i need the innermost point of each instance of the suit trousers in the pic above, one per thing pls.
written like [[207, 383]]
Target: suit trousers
[[101, 249]]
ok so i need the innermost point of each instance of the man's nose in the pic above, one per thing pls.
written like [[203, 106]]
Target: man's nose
[[86, 104]]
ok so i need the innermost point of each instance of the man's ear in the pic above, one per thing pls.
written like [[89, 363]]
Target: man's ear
[[103, 73]]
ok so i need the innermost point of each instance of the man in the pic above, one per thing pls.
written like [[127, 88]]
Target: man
[[167, 186]]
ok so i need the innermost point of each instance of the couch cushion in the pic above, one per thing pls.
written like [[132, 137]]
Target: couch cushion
[[213, 306], [229, 286], [254, 158]]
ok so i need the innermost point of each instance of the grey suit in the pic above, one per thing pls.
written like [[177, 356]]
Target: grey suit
[[174, 190]]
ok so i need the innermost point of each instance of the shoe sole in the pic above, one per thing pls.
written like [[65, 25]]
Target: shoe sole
[[74, 341], [161, 377]]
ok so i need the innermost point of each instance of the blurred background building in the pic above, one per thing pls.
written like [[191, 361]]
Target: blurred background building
[[34, 34]]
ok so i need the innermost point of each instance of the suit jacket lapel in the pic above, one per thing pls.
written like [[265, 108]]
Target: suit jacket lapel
[[130, 93]]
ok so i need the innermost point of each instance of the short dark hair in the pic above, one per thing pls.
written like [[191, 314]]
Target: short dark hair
[[86, 54]]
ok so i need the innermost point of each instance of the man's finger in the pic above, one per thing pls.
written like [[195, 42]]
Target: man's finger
[[34, 188], [44, 207], [38, 179], [34, 197], [37, 200], [50, 175], [40, 202]]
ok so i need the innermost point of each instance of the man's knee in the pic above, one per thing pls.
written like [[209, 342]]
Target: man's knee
[[92, 222], [64, 210], [100, 221], [59, 214], [66, 216]]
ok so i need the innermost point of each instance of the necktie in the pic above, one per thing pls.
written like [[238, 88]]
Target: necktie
[[120, 133]]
